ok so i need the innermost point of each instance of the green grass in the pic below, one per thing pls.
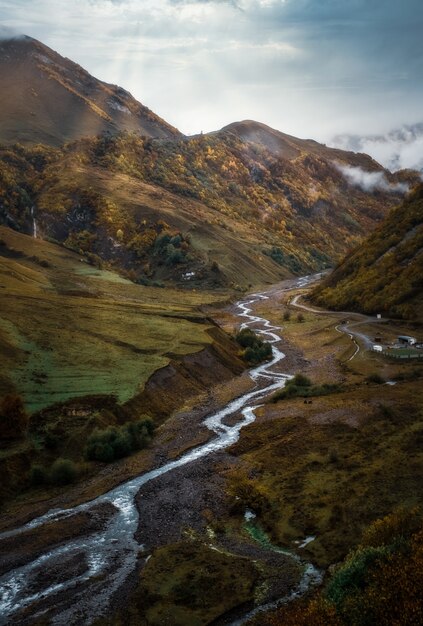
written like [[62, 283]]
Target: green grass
[[70, 330]]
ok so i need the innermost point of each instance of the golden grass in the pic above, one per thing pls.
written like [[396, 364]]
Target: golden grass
[[331, 467]]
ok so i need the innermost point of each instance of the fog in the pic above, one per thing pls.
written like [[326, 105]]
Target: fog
[[370, 181]]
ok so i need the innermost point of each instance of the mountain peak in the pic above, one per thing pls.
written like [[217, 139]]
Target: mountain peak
[[50, 99]]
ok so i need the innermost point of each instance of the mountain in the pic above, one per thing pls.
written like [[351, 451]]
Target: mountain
[[384, 274], [48, 99], [99, 173], [284, 146], [212, 210]]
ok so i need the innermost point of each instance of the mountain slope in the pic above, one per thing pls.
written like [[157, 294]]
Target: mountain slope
[[385, 273], [48, 99], [237, 214], [238, 207]]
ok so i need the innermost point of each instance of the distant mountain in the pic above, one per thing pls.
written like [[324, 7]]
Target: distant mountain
[[401, 148], [286, 146], [46, 98], [385, 273]]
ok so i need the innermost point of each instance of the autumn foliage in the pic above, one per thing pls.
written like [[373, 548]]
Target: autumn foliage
[[378, 583], [384, 274]]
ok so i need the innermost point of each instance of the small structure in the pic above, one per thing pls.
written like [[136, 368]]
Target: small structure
[[377, 348], [379, 316], [406, 340]]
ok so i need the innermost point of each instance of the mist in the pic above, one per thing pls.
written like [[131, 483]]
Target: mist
[[370, 181], [10, 33], [401, 148]]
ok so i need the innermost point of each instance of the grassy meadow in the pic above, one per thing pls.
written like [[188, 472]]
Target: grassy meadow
[[68, 329]]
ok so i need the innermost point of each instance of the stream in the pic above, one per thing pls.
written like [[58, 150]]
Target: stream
[[111, 555], [34, 223]]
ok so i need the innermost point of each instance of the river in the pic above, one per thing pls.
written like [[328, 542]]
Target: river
[[111, 555]]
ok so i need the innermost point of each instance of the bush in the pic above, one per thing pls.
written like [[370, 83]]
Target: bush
[[375, 378], [352, 576], [38, 475], [300, 380], [256, 350], [13, 417], [115, 443], [63, 472], [302, 387], [246, 338]]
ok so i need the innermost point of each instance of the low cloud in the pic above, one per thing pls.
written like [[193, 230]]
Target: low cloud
[[370, 181], [9, 33], [398, 149]]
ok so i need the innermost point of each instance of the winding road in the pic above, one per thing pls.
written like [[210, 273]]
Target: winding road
[[346, 328], [107, 557]]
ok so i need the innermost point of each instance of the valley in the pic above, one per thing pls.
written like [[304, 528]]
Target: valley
[[210, 392], [267, 478]]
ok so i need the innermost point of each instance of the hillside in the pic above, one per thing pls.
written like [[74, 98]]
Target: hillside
[[240, 215], [99, 173], [76, 341], [49, 99], [384, 274]]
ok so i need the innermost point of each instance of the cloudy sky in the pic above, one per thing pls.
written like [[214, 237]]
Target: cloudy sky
[[312, 68]]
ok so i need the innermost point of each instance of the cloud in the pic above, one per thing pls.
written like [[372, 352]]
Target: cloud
[[311, 68], [370, 181], [9, 33], [401, 148]]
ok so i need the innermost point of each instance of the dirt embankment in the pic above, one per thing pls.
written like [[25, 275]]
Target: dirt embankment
[[186, 377]]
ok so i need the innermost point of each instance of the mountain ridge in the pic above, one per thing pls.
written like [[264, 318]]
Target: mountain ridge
[[50, 99]]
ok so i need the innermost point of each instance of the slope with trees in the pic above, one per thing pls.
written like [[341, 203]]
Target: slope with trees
[[384, 274]]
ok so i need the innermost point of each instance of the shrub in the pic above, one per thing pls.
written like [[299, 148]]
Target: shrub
[[38, 475], [375, 378], [13, 417], [287, 316], [116, 443], [63, 472], [301, 386], [353, 575], [300, 380], [256, 349], [246, 338]]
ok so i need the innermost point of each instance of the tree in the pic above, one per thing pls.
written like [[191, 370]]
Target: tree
[[63, 472], [13, 417]]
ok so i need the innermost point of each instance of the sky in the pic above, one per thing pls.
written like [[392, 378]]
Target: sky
[[311, 68]]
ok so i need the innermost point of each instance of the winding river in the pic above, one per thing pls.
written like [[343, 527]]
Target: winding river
[[113, 552]]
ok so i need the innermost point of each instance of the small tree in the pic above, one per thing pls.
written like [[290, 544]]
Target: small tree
[[13, 417], [300, 318], [287, 316], [63, 472], [38, 475]]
